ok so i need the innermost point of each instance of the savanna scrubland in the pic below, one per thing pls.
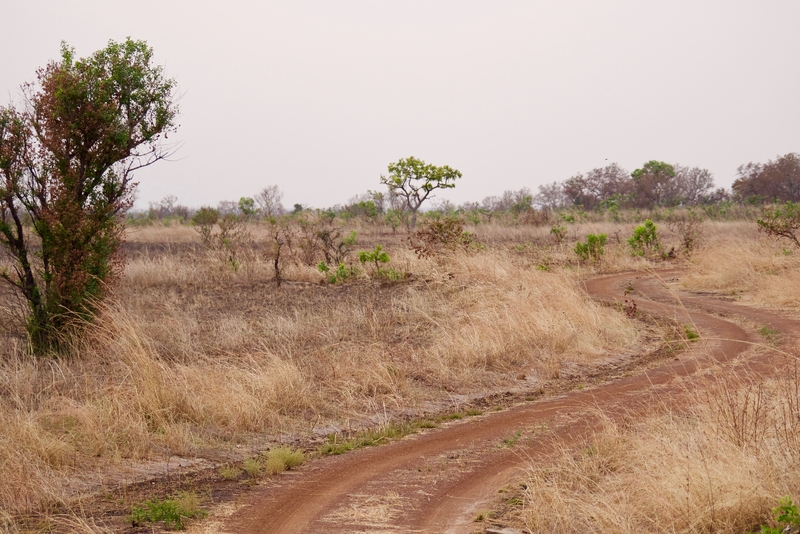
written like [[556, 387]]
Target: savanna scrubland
[[201, 353]]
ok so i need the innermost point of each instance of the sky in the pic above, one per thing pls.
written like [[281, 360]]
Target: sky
[[318, 97]]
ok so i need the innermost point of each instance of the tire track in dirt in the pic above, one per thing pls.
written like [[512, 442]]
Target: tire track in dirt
[[436, 481]]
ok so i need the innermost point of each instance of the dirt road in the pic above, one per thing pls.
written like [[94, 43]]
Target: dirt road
[[439, 480]]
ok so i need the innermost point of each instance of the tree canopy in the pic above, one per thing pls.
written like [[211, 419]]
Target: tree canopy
[[67, 158], [771, 181], [413, 180]]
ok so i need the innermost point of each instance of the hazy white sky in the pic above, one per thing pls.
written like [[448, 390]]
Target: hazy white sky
[[319, 97]]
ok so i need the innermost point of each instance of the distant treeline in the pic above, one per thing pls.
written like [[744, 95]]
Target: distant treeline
[[655, 185]]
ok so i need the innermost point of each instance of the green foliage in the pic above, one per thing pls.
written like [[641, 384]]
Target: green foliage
[[364, 208], [559, 231], [787, 514], [368, 438], [247, 207], [655, 185], [341, 274], [653, 167], [229, 472], [781, 221], [204, 220], [351, 239], [593, 249], [413, 180], [644, 240], [396, 218], [691, 333], [173, 511], [282, 459], [334, 247], [252, 466], [512, 440], [67, 162], [376, 256]]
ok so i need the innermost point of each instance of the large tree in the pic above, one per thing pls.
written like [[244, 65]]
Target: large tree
[[67, 158], [413, 180], [599, 185], [693, 184], [654, 185], [771, 181]]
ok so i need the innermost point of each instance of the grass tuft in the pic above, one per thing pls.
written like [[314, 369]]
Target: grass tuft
[[172, 511], [282, 459]]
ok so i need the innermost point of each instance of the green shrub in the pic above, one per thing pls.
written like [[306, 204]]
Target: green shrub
[[390, 274], [644, 240], [341, 274], [593, 249], [376, 256], [559, 231], [204, 220], [785, 513], [781, 221], [173, 511]]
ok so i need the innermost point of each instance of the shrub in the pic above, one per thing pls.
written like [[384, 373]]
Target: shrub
[[67, 159], [559, 231], [781, 221], [644, 240], [341, 274], [334, 247], [173, 511], [376, 256], [689, 230], [230, 240], [787, 514], [436, 237], [592, 249], [204, 220]]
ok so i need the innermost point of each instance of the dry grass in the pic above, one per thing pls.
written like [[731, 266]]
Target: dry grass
[[738, 260], [721, 467], [196, 356]]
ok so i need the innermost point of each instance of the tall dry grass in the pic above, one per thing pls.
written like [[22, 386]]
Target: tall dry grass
[[720, 467], [737, 260], [194, 356]]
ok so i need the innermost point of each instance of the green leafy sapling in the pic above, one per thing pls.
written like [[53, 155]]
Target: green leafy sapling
[[644, 240], [376, 256], [593, 249]]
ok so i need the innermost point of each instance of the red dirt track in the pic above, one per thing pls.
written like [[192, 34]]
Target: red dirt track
[[436, 481]]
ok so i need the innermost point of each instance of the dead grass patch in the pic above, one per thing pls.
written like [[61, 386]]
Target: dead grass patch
[[739, 261], [721, 467], [195, 355]]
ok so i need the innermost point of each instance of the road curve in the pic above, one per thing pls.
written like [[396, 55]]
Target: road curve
[[436, 481]]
